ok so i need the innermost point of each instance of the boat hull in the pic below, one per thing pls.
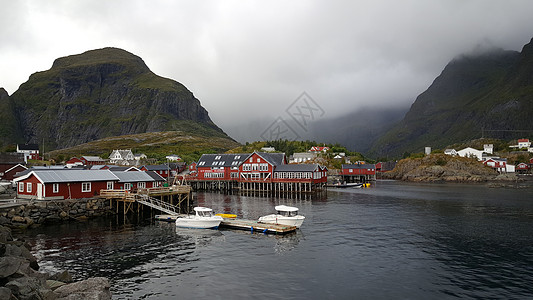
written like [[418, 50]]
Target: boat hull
[[283, 220], [199, 223]]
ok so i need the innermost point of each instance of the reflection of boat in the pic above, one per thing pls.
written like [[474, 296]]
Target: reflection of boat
[[349, 184], [203, 218], [286, 215]]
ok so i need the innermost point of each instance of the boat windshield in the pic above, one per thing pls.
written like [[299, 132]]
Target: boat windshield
[[287, 213], [205, 213]]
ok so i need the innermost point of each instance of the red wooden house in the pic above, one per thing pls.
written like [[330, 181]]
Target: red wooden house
[[10, 173], [523, 168], [63, 184], [92, 160], [361, 172], [163, 170], [211, 167], [317, 149], [498, 164], [260, 166]]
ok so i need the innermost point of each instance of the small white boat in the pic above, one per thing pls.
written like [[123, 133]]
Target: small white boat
[[203, 219], [285, 215]]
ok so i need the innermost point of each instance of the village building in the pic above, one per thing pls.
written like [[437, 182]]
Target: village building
[[499, 164], [258, 171], [173, 157], [317, 149], [523, 168], [358, 172], [10, 164], [471, 152], [30, 151], [122, 157], [302, 157], [132, 181], [162, 170], [268, 149], [451, 152], [92, 160], [139, 156], [63, 184]]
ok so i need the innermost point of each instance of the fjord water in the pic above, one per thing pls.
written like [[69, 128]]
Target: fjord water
[[392, 241]]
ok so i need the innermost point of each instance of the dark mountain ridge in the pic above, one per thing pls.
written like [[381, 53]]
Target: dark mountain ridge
[[97, 94], [488, 94]]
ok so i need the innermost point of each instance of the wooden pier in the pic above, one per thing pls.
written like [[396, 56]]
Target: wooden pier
[[175, 195], [241, 224]]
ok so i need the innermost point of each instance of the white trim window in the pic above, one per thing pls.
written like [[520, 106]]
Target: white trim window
[[28, 187], [141, 185], [55, 188], [127, 186], [85, 187], [21, 187], [110, 185]]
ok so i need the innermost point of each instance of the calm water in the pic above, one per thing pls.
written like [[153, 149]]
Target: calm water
[[394, 240]]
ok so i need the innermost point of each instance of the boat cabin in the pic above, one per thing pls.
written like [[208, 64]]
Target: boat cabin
[[286, 211], [203, 211]]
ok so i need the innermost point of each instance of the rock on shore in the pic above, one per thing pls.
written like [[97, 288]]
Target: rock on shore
[[20, 278]]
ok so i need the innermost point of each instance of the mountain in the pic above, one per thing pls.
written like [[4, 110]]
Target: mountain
[[98, 94], [488, 94]]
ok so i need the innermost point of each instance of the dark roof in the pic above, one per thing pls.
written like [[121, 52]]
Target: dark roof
[[12, 158], [221, 160], [297, 168], [135, 176], [155, 176], [359, 166], [157, 167], [28, 147], [53, 176]]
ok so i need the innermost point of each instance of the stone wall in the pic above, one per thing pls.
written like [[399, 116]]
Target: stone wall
[[40, 212]]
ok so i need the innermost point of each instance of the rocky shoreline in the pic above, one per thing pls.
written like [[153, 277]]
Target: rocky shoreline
[[446, 168], [19, 270], [20, 277]]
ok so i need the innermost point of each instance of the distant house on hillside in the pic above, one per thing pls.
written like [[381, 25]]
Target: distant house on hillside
[[471, 152], [92, 160], [301, 157], [173, 157], [30, 151], [451, 152], [317, 149], [122, 157]]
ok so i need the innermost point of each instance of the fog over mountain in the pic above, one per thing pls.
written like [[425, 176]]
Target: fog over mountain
[[248, 62]]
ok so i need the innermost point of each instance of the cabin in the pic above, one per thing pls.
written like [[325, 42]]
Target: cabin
[[57, 184], [498, 164], [8, 161], [358, 172], [92, 160], [451, 152], [524, 143], [316, 149], [30, 151], [163, 170], [301, 157], [73, 162], [523, 168], [9, 174], [173, 157]]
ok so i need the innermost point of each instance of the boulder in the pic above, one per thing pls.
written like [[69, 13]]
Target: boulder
[[9, 265], [92, 288]]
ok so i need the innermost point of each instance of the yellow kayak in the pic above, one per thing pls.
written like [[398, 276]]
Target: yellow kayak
[[227, 216]]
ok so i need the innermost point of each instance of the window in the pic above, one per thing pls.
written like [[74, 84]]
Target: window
[[255, 167], [201, 163], [246, 167], [217, 157], [141, 185], [237, 157], [21, 187], [28, 187], [258, 159], [55, 188], [86, 187], [127, 186], [110, 185]]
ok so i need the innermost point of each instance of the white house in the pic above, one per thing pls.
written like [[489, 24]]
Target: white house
[[121, 157], [300, 157], [173, 157], [488, 148], [451, 152], [524, 143], [471, 152]]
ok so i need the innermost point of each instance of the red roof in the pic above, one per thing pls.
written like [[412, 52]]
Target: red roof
[[523, 140]]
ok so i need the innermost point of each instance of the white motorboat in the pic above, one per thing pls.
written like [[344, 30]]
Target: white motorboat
[[203, 218], [285, 215]]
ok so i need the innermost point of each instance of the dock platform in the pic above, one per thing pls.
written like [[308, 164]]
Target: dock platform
[[241, 224], [252, 226]]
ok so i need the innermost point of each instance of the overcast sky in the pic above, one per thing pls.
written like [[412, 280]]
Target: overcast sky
[[249, 60]]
